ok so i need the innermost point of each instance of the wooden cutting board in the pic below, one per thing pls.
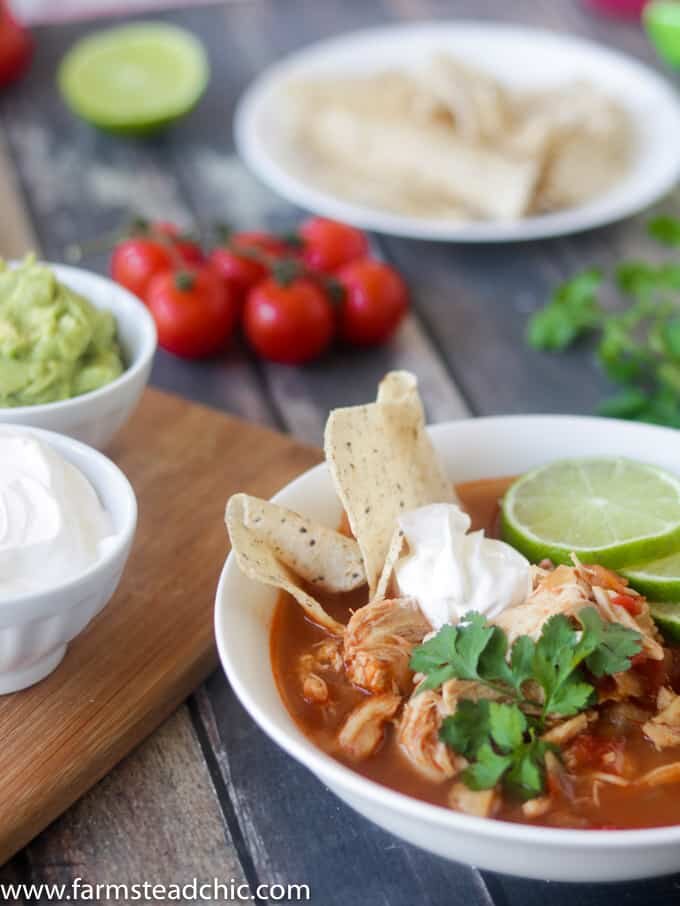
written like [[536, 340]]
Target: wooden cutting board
[[153, 643]]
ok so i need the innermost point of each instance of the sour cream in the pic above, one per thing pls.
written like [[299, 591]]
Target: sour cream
[[52, 525], [450, 570]]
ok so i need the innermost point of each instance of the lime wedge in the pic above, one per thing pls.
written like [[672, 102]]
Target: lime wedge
[[610, 511], [658, 580], [134, 79], [667, 618], [662, 21]]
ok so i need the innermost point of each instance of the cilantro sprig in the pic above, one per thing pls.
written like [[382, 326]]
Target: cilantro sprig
[[535, 681], [639, 342]]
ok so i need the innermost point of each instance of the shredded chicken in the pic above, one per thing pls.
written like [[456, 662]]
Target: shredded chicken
[[534, 808], [418, 737], [664, 728], [364, 729], [315, 689], [624, 686], [482, 803], [378, 643], [328, 655], [566, 730], [324, 657], [456, 689], [667, 773], [567, 590], [614, 779], [556, 775]]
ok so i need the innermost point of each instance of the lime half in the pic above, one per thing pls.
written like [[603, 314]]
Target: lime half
[[667, 618], [610, 511], [662, 21], [658, 580], [134, 79]]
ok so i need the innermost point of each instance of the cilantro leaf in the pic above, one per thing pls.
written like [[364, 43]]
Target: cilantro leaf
[[554, 663], [507, 725], [665, 229], [468, 729], [526, 776], [573, 309], [522, 660], [570, 696], [629, 403], [474, 634], [615, 644], [493, 664], [454, 652], [486, 770], [433, 658]]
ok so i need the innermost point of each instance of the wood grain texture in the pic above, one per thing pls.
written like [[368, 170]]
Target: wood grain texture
[[16, 232], [153, 644], [99, 838]]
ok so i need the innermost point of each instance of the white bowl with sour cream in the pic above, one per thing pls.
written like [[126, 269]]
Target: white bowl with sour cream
[[470, 449], [67, 521]]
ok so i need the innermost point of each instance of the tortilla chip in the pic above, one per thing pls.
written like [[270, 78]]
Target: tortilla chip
[[478, 104], [383, 464], [257, 561], [393, 554], [319, 555], [430, 159]]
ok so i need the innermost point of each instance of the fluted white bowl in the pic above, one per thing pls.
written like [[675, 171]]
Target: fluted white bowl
[[35, 628], [95, 417]]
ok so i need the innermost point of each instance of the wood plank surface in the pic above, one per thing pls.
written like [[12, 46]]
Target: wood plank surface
[[465, 339]]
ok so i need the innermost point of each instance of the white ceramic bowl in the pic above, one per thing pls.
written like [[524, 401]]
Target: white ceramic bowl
[[35, 628], [476, 448], [95, 417], [518, 56]]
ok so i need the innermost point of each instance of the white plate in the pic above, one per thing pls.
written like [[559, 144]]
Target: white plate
[[521, 57], [470, 449]]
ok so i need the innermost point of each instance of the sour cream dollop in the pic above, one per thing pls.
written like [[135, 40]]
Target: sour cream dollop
[[52, 525], [450, 570]]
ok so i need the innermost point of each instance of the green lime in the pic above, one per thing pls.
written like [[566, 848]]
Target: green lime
[[658, 580], [134, 79], [667, 618], [610, 511], [662, 21]]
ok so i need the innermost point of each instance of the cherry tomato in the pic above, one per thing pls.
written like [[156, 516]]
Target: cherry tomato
[[194, 311], [291, 323], [328, 245], [188, 249], [135, 262], [375, 302], [269, 243], [16, 46], [239, 271]]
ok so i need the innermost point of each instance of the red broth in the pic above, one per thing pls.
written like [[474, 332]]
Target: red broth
[[293, 635]]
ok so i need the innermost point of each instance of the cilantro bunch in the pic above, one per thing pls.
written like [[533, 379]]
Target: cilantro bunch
[[536, 680], [639, 345]]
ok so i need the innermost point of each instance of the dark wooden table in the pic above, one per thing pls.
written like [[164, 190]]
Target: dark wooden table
[[208, 795]]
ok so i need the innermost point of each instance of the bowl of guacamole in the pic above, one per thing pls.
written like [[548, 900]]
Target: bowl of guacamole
[[75, 350], [54, 343]]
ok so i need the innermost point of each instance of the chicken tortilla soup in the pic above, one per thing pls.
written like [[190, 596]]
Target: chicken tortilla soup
[[501, 647]]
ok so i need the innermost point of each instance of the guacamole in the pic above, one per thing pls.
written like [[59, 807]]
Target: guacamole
[[54, 344]]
